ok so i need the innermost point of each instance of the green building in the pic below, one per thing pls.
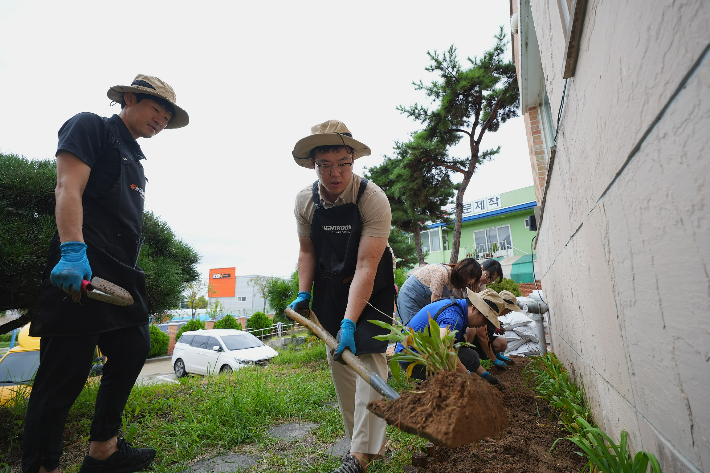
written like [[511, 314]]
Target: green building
[[493, 227]]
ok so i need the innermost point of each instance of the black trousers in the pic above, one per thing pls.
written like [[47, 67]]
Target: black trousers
[[467, 355], [64, 366]]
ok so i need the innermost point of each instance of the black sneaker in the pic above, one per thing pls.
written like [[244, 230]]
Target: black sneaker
[[126, 460], [350, 465]]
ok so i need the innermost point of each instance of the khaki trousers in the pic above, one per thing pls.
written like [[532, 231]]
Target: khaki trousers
[[366, 431]]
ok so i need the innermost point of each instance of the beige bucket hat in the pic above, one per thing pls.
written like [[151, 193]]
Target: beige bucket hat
[[510, 300], [488, 303], [151, 85], [331, 132]]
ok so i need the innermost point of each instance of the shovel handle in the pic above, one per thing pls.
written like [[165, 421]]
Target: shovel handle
[[373, 379], [85, 285]]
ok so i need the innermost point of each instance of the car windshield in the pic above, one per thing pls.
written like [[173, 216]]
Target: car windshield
[[241, 341], [18, 368]]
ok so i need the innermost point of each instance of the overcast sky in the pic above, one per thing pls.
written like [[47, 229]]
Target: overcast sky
[[254, 77]]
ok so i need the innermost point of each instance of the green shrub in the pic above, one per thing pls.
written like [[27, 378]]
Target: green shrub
[[158, 342], [506, 285], [258, 321], [6, 337], [191, 325], [400, 275], [228, 322]]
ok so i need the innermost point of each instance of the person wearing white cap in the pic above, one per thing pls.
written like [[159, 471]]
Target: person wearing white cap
[[343, 223], [99, 214], [476, 310]]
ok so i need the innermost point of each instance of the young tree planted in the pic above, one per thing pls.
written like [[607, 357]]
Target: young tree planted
[[261, 284], [466, 103]]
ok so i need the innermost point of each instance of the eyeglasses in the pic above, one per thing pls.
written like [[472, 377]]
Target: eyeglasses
[[327, 168]]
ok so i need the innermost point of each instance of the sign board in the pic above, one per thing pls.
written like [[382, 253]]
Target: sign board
[[485, 204]]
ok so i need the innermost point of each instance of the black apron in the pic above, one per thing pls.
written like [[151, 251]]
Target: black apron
[[335, 233], [112, 233]]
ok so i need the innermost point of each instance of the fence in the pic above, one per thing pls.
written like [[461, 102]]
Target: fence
[[277, 328]]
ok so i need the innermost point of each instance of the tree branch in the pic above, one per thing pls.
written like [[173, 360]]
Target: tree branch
[[494, 114]]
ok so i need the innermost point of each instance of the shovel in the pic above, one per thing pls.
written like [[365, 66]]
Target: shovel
[[373, 379], [462, 425]]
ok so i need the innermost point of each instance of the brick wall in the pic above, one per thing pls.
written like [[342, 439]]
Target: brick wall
[[536, 145], [527, 288]]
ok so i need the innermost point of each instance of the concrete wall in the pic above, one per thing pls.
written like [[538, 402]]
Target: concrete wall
[[624, 243]]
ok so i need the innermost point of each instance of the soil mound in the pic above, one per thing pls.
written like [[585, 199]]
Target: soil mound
[[450, 408], [525, 445]]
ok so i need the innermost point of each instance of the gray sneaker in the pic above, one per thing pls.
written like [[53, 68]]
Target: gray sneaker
[[126, 460], [350, 465]]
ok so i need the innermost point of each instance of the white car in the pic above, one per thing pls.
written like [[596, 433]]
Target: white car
[[218, 350]]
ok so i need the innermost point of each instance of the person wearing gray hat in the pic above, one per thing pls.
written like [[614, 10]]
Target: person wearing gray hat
[[343, 223], [100, 194]]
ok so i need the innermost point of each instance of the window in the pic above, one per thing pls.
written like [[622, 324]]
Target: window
[[431, 240], [200, 341], [242, 298], [492, 240]]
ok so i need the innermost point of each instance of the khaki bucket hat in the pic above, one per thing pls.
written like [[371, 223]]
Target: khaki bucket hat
[[331, 132], [488, 303], [151, 85], [510, 300]]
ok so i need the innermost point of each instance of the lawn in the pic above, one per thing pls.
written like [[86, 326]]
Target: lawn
[[202, 417]]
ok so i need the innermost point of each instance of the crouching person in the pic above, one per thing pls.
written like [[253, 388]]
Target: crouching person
[[476, 310], [490, 344]]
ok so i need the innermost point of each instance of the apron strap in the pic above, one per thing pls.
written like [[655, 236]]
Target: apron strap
[[453, 303], [316, 197], [360, 191]]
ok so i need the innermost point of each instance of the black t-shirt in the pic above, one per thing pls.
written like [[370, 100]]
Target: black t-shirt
[[87, 136]]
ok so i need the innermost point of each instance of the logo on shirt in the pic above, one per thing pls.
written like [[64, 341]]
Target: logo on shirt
[[139, 190], [337, 228]]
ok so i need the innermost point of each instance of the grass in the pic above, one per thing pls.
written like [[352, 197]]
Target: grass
[[202, 417], [549, 378]]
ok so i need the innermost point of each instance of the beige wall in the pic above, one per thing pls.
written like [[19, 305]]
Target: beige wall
[[624, 243]]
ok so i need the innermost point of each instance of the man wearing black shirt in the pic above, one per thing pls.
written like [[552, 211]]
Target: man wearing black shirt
[[100, 193]]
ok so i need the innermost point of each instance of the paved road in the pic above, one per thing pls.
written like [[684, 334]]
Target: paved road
[[157, 370]]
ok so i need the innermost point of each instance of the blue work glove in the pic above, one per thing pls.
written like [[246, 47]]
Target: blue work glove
[[500, 365], [490, 378], [302, 301], [72, 267], [504, 358], [345, 338]]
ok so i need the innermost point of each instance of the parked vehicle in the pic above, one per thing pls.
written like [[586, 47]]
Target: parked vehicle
[[218, 350], [19, 365]]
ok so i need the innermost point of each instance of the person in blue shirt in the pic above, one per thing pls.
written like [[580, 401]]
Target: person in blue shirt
[[477, 310]]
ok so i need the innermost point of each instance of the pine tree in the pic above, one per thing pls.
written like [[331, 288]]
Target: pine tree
[[467, 102]]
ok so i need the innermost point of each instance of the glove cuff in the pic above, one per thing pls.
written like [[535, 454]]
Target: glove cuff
[[73, 248], [347, 323], [304, 294]]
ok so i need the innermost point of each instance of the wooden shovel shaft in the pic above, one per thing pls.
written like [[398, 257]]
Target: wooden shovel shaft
[[373, 379]]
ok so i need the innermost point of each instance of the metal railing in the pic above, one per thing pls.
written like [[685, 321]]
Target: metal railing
[[262, 333]]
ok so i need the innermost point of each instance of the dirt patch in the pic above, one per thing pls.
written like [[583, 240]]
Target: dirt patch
[[451, 408], [523, 447]]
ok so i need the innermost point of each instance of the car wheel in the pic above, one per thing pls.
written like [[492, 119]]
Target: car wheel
[[180, 368], [225, 369]]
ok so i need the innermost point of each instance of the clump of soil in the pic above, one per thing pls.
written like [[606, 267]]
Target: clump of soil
[[450, 408], [524, 446]]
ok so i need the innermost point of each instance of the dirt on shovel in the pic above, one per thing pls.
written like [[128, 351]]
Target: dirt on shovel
[[450, 408]]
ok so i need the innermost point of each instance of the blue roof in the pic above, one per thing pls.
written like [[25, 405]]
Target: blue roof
[[492, 213]]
